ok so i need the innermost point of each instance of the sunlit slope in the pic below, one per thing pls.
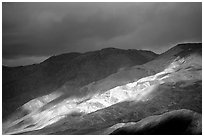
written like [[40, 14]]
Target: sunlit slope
[[73, 70], [166, 90], [157, 65]]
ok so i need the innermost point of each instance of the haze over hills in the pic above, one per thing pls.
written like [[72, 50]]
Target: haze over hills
[[111, 91]]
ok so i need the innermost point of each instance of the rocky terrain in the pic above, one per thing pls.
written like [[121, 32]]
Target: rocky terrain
[[157, 95]]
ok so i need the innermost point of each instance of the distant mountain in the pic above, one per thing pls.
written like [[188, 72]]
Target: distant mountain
[[23, 83], [147, 98]]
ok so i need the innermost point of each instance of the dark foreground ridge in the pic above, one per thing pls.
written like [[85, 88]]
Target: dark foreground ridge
[[178, 122]]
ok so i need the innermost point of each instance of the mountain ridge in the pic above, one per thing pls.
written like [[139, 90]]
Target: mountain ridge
[[172, 81], [56, 70]]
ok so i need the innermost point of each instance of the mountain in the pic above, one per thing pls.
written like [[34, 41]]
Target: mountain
[[161, 96], [73, 70]]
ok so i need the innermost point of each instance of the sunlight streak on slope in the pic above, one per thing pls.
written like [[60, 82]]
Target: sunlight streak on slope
[[140, 90]]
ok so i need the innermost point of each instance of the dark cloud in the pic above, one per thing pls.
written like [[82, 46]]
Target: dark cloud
[[42, 29]]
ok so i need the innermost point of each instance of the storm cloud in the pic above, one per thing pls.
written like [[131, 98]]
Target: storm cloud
[[31, 32]]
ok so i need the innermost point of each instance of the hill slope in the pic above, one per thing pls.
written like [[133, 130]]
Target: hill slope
[[171, 82], [74, 70]]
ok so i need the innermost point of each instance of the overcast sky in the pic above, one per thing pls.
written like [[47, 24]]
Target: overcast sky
[[34, 31]]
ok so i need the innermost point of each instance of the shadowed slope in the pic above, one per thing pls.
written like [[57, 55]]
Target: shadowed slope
[[177, 122]]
